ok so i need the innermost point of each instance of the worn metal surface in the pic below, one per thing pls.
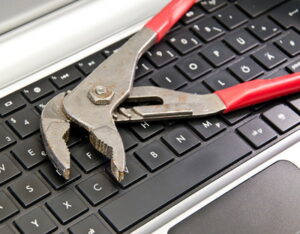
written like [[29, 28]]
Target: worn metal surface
[[171, 105]]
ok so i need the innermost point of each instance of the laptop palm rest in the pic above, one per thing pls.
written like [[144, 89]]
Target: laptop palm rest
[[269, 202]]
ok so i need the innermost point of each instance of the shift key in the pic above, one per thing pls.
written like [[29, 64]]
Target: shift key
[[173, 182]]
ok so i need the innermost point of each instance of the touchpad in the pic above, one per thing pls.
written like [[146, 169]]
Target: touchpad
[[269, 202]]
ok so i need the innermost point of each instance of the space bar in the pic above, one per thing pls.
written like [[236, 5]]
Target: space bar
[[176, 180]]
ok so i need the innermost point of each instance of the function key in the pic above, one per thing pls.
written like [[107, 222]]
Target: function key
[[35, 222], [65, 77], [288, 14], [87, 157], [143, 68], [7, 208], [270, 57], [264, 28], [145, 130], [66, 206], [57, 182], [24, 123], [41, 105], [282, 118], [181, 140], [231, 17], [212, 5], [290, 44], [29, 190], [154, 155], [133, 173], [11, 103], [184, 41], [193, 14], [88, 64], [241, 41], [97, 188], [30, 152], [169, 78], [257, 7], [207, 128], [38, 90], [194, 67], [113, 48], [161, 54], [8, 170], [90, 225], [220, 80], [246, 69], [257, 132], [6, 138], [208, 29], [218, 54]]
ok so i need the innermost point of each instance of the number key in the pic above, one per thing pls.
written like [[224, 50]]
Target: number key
[[6, 138], [161, 54]]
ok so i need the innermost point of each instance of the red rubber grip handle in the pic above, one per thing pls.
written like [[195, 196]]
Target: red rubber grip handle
[[257, 91], [168, 16]]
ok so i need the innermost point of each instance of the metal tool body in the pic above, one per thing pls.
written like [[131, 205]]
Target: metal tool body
[[91, 104]]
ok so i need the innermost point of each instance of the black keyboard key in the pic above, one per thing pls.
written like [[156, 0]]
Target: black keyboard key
[[89, 225], [264, 28], [7, 208], [8, 170], [282, 118], [246, 69], [24, 123], [257, 7], [212, 5], [30, 153], [181, 140], [52, 177], [218, 54], [169, 78], [208, 29], [41, 105], [154, 155], [208, 127], [161, 54], [157, 191], [11, 103], [295, 103], [196, 88], [241, 41], [290, 44], [88, 64], [193, 14], [145, 130], [129, 141], [193, 67], [257, 132], [143, 68], [87, 157], [270, 57], [288, 14], [113, 48], [66, 206], [38, 90], [236, 116], [133, 173], [6, 230], [29, 190], [231, 17], [97, 189], [6, 138], [65, 77], [294, 67], [220, 80], [35, 222], [184, 41]]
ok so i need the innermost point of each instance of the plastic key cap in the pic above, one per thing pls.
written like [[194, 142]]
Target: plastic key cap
[[7, 208], [11, 103]]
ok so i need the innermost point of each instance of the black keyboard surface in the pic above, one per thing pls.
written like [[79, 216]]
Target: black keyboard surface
[[217, 44]]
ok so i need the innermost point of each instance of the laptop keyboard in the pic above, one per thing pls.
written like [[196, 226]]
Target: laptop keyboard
[[217, 44]]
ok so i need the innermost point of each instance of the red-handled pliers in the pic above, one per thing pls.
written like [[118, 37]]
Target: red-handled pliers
[[95, 104]]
